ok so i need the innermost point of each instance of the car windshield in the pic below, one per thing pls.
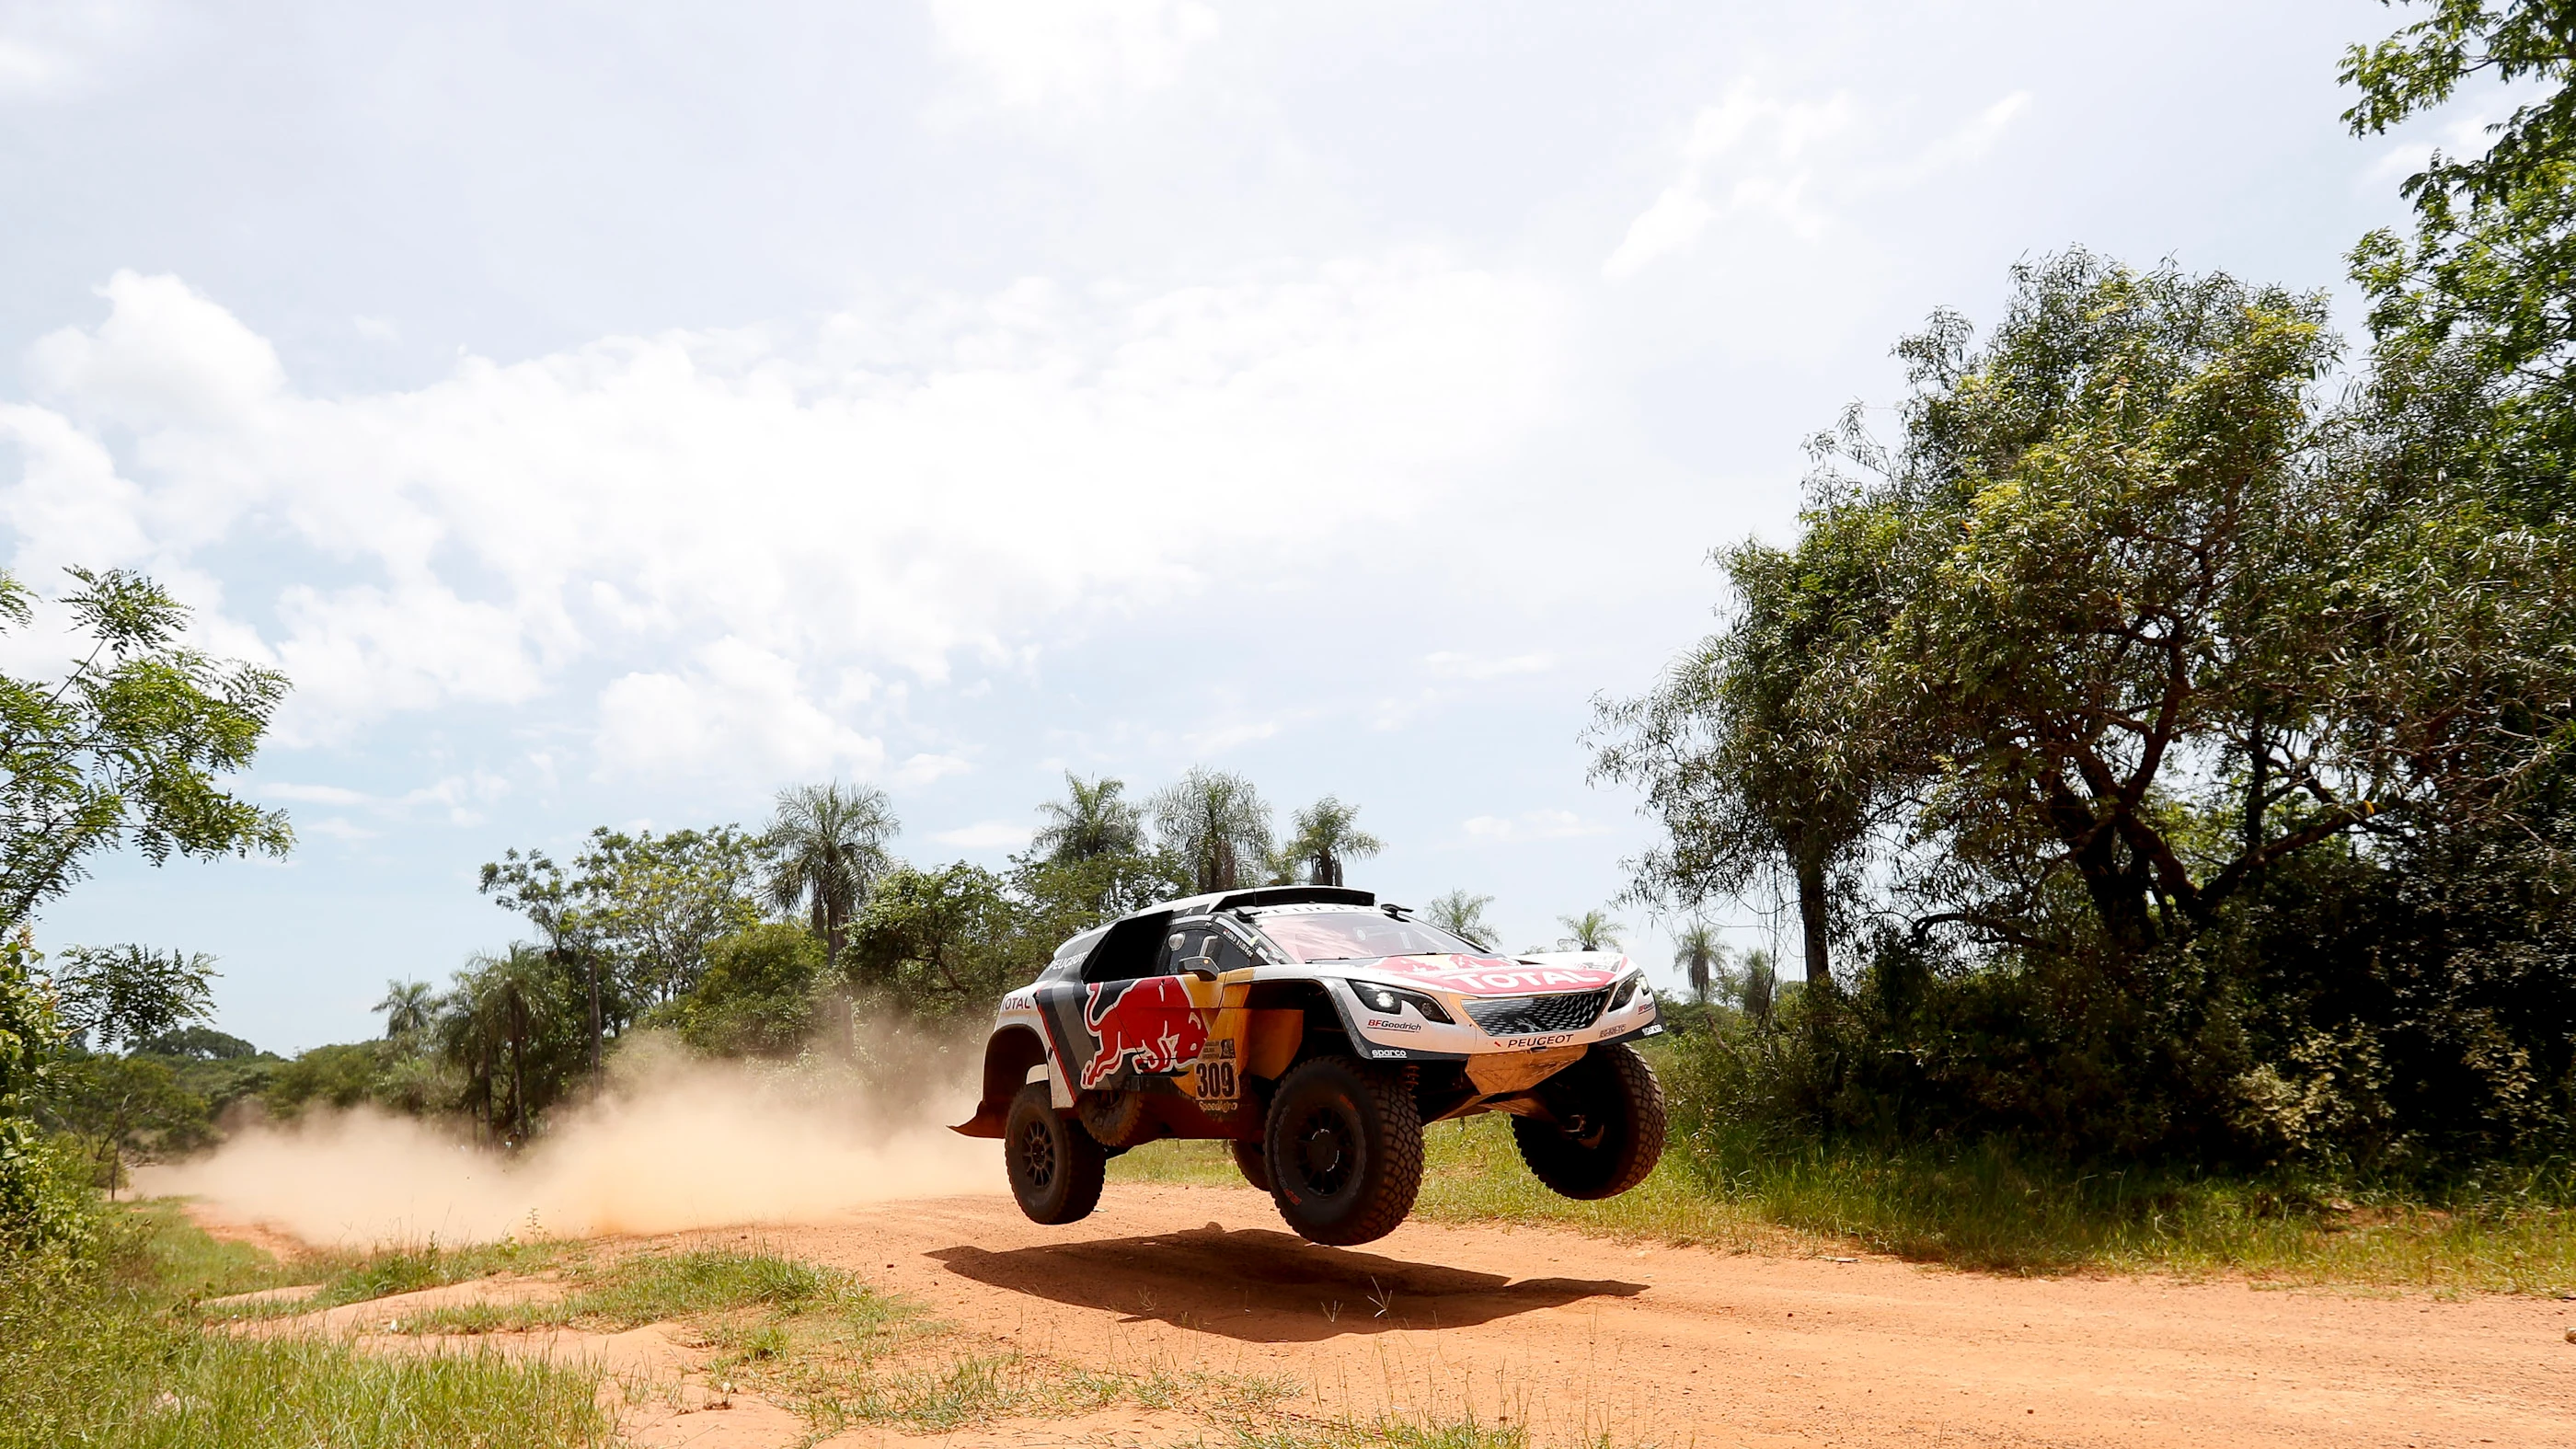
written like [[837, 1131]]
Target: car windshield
[[1308, 935]]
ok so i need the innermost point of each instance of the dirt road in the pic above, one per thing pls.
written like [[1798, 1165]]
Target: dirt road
[[1685, 1346]]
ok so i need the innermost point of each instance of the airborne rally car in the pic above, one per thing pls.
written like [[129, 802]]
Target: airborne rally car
[[1317, 1031]]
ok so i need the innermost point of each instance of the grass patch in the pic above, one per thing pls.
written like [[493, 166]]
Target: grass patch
[[1987, 1210], [112, 1351], [410, 1268]]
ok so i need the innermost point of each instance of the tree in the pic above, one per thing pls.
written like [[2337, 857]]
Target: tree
[[940, 942], [122, 1106], [1092, 821], [2484, 279], [1755, 986], [1745, 750], [1462, 915], [505, 1015], [1327, 834], [1591, 931], [565, 905], [658, 902], [129, 994], [1702, 957], [756, 995], [127, 745], [33, 1210], [826, 847], [409, 1008], [1217, 824]]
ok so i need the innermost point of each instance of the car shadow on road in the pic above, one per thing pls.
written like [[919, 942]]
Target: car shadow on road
[[1264, 1286]]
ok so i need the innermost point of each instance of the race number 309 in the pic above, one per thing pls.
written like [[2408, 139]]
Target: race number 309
[[1216, 1082]]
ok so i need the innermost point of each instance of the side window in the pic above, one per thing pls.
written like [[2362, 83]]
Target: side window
[[1228, 952], [1182, 946]]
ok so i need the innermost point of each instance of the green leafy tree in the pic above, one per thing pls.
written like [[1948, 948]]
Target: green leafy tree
[[130, 994], [826, 847], [2484, 280], [566, 904], [940, 942], [1462, 914], [121, 1107], [1700, 953], [504, 1028], [756, 997], [1326, 837], [1092, 821], [1744, 749], [127, 745], [661, 901], [1591, 931], [35, 1208], [1218, 825]]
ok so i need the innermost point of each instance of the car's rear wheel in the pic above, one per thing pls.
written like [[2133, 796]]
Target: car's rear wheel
[[1055, 1166], [1248, 1159], [1609, 1127], [1343, 1149]]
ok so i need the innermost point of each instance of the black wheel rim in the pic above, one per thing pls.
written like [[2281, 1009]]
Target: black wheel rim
[[1324, 1151], [1037, 1155]]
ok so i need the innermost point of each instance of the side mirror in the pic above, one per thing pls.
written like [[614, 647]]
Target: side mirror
[[1202, 967]]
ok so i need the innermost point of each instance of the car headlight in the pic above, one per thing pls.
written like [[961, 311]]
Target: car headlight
[[1393, 998], [1624, 992]]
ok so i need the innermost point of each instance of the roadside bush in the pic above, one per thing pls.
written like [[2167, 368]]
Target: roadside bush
[[756, 997], [339, 1076]]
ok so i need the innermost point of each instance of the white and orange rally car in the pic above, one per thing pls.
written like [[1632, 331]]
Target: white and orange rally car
[[1317, 1031]]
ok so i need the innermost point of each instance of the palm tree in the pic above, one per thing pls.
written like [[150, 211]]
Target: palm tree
[[408, 1007], [827, 846], [1217, 824], [1463, 916], [1591, 931], [1757, 986], [1328, 834], [1091, 822], [1698, 951]]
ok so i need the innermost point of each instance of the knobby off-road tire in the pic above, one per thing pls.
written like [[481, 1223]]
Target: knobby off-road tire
[[1249, 1160], [1343, 1146], [1055, 1166], [1609, 1128]]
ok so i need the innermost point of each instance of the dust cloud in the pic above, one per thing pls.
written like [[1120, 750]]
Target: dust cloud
[[674, 1144]]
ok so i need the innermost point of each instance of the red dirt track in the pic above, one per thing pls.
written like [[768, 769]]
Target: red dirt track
[[1686, 1346]]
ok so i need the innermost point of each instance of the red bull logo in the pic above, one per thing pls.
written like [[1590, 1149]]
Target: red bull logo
[[1148, 1025]]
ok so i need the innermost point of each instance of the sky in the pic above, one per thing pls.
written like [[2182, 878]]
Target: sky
[[610, 414]]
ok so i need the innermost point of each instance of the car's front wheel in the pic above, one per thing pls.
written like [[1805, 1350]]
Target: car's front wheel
[[1609, 1127], [1343, 1145], [1056, 1167]]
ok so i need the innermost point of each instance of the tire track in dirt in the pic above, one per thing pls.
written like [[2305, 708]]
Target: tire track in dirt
[[1577, 1336]]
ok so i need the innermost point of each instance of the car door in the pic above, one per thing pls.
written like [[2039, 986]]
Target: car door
[[1132, 1016]]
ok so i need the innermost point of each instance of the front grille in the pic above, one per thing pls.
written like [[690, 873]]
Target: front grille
[[1526, 1015]]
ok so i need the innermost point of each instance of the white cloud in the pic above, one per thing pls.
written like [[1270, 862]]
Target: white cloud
[[1072, 55], [787, 516], [1788, 169], [922, 769], [1450, 665], [459, 796], [51, 49], [336, 828], [314, 794], [1531, 825], [991, 835], [742, 710]]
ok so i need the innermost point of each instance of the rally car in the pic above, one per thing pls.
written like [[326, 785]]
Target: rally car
[[1316, 1031]]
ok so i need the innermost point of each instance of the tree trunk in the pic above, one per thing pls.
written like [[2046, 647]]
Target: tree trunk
[[594, 1018], [2256, 771], [1813, 924]]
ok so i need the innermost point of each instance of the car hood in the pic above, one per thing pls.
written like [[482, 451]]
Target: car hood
[[1502, 975]]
